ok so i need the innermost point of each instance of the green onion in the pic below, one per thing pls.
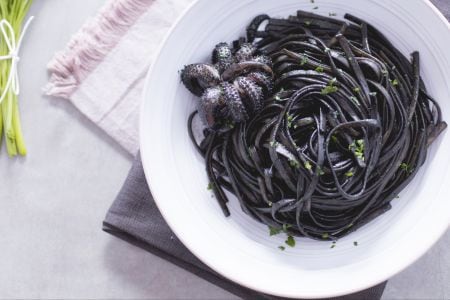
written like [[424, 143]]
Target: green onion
[[13, 11]]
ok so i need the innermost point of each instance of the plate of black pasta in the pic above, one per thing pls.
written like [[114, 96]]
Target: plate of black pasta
[[299, 147]]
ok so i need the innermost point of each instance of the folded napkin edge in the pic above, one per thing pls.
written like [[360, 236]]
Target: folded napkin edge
[[91, 44]]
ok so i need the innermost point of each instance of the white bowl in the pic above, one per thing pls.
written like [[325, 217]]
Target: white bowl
[[240, 248]]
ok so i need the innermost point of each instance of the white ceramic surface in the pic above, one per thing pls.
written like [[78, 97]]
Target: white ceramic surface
[[240, 248]]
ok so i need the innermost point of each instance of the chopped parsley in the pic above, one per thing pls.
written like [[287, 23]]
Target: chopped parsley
[[308, 22], [294, 163], [349, 174], [320, 171], [315, 7], [290, 241], [210, 186], [334, 139], [308, 165], [286, 227], [332, 14], [357, 90], [325, 236], [304, 59], [282, 248], [290, 118], [394, 82], [329, 89], [274, 231], [406, 167], [332, 246], [358, 148], [319, 69], [273, 144], [355, 243]]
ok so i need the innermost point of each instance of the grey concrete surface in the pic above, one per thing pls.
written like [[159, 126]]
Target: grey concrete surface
[[53, 201]]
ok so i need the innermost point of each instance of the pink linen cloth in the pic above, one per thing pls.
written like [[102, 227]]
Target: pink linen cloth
[[103, 67]]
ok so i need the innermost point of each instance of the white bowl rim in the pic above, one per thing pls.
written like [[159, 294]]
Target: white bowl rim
[[146, 166]]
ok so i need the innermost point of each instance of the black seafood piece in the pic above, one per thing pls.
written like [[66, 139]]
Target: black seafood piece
[[198, 77], [233, 88]]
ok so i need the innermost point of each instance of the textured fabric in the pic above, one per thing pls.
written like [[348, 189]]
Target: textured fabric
[[135, 218], [102, 70]]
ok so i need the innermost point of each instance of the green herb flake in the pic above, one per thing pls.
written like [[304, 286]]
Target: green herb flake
[[334, 139], [332, 246], [325, 236], [286, 227], [319, 69], [273, 144], [357, 148], [315, 7], [357, 90], [320, 171], [332, 14], [395, 82], [290, 241], [385, 72], [304, 59], [406, 167], [290, 119], [294, 163], [308, 165], [349, 174], [329, 89], [282, 248], [355, 243], [210, 186], [307, 23], [274, 231]]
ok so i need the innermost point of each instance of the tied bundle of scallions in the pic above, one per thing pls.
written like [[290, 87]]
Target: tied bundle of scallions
[[12, 15]]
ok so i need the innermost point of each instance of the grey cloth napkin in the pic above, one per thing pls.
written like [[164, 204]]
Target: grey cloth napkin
[[135, 218]]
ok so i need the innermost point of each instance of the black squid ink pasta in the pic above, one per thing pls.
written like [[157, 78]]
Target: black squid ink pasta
[[331, 124]]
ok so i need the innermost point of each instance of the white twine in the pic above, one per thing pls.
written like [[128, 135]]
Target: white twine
[[9, 37]]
